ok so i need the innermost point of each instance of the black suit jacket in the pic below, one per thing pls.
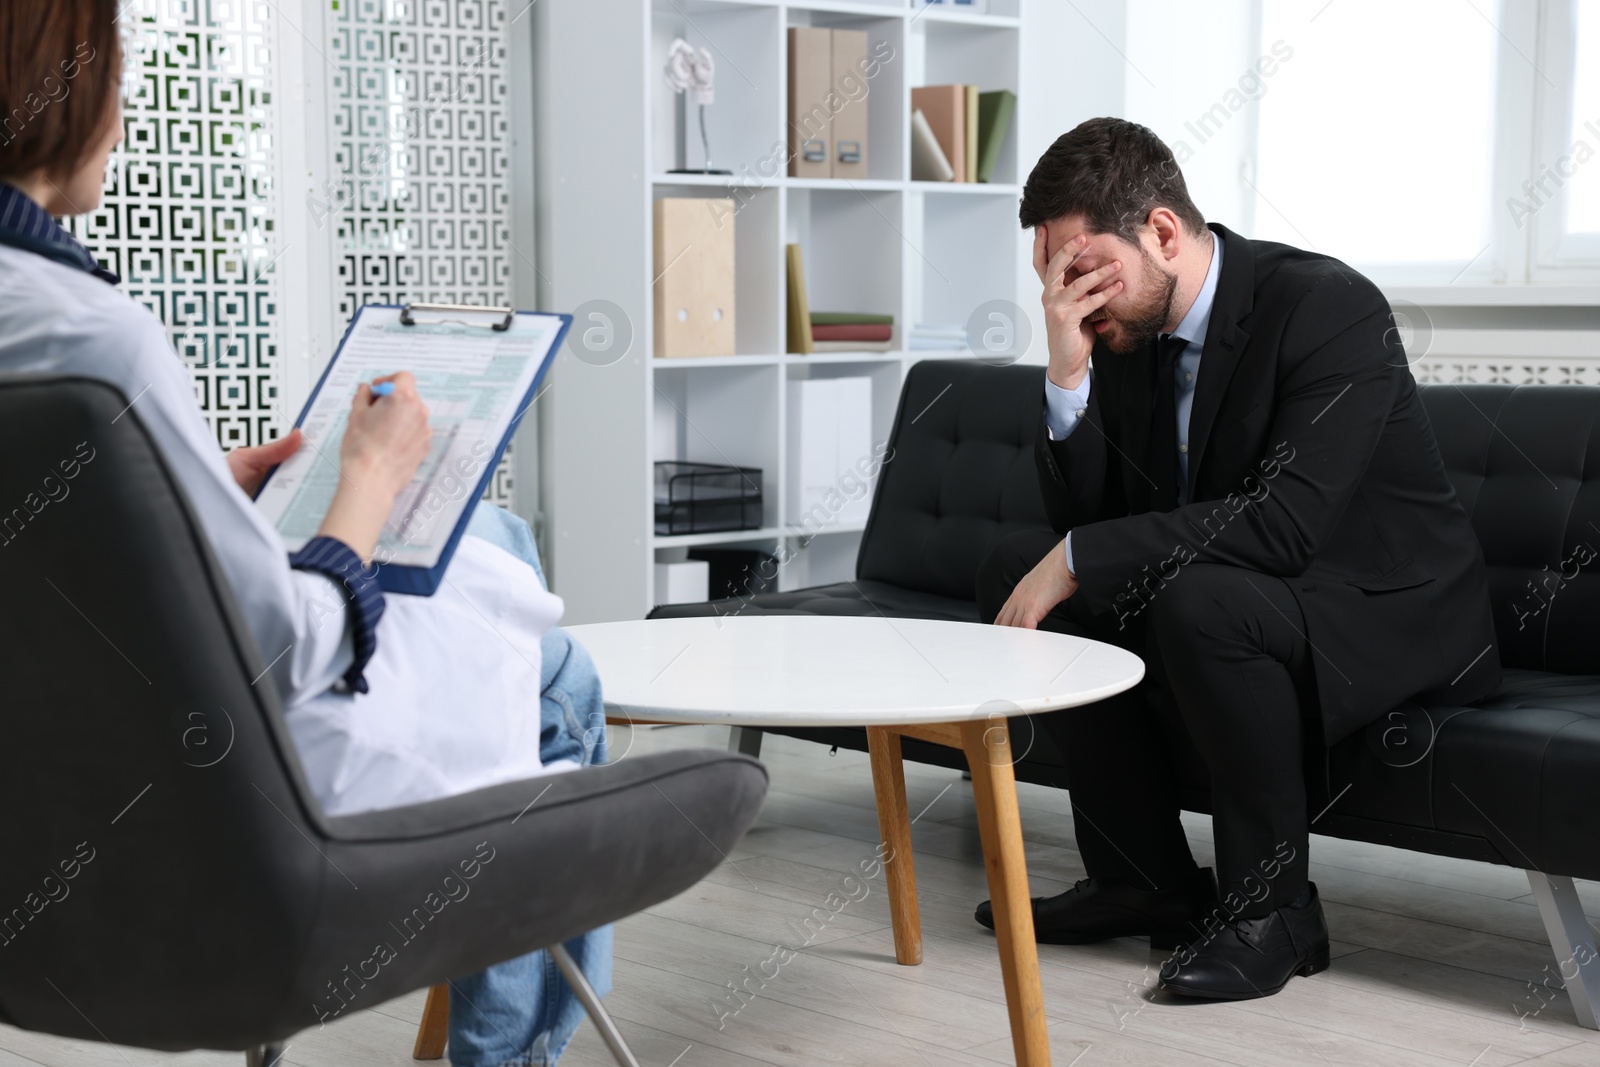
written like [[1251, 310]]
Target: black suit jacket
[[1311, 459]]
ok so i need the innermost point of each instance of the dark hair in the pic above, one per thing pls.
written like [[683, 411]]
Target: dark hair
[[60, 61], [1113, 173]]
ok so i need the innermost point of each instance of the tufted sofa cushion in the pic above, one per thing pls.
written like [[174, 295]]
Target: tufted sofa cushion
[[962, 476], [1525, 461]]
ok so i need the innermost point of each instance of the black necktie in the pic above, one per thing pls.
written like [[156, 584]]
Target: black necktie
[[1164, 469]]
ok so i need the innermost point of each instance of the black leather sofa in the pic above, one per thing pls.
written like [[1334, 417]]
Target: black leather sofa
[[1514, 780]]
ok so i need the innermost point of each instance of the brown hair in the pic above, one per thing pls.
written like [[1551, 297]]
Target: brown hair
[[60, 61], [1113, 173]]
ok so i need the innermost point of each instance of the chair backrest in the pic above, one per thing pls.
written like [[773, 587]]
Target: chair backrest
[[155, 849], [960, 475], [1525, 461]]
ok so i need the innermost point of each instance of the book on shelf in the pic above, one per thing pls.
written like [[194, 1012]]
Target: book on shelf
[[850, 318], [852, 346], [931, 337], [944, 107], [971, 7], [928, 161], [851, 332], [994, 119], [799, 317], [957, 131], [969, 97]]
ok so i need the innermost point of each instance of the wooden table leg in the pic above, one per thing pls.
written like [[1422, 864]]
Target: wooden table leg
[[987, 744], [435, 1025], [894, 824]]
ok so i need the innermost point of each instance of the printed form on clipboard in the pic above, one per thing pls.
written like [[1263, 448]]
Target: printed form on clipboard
[[477, 369]]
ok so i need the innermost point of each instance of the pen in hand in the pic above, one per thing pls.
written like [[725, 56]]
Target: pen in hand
[[381, 389]]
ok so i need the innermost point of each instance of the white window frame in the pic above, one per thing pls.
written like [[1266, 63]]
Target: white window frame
[[1555, 255]]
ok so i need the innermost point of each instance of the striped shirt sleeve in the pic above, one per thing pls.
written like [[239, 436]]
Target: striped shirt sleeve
[[332, 557]]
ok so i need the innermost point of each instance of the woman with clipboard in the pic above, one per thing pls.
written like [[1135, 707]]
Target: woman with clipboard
[[391, 700]]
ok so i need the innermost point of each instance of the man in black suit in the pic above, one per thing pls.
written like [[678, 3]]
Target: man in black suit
[[1253, 501]]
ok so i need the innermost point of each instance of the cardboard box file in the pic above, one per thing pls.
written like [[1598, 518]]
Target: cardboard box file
[[694, 270], [810, 117], [828, 90], [849, 152]]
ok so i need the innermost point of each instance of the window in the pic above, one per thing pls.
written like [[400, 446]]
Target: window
[[1340, 168], [1435, 142], [1563, 188]]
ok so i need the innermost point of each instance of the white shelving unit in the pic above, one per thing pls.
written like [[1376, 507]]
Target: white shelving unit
[[922, 251]]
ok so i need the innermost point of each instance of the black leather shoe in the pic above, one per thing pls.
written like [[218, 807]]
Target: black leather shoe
[[1243, 959], [1098, 909]]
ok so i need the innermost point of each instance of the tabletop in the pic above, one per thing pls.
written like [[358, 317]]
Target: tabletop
[[823, 670]]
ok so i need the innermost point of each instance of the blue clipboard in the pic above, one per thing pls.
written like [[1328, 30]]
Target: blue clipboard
[[424, 581]]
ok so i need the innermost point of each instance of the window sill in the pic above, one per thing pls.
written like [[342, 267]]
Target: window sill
[[1495, 295]]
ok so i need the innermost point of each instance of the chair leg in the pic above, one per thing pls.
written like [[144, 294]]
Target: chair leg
[[435, 1025], [591, 1003], [263, 1056], [745, 740], [1572, 938]]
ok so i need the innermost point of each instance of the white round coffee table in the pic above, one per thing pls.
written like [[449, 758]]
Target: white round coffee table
[[950, 683]]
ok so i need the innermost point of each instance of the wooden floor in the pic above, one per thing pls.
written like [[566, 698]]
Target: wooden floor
[[1433, 957]]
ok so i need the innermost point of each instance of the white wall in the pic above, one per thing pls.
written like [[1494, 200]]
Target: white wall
[[1191, 77], [1072, 69]]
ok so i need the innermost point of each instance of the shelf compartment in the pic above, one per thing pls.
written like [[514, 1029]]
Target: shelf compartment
[[722, 415], [758, 268], [969, 50], [882, 90], [957, 276], [851, 240], [743, 41]]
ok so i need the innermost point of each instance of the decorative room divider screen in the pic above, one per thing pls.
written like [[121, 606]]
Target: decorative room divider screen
[[287, 163]]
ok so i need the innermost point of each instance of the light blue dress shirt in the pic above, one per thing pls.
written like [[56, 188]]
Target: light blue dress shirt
[[1064, 408]]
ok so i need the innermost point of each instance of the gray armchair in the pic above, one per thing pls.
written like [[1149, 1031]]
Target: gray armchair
[[167, 880]]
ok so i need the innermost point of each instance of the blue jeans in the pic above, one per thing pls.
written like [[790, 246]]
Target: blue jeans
[[521, 1013]]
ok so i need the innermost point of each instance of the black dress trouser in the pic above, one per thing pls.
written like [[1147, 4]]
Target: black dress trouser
[[1227, 682]]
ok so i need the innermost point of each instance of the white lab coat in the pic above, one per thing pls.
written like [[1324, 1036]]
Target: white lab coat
[[454, 684]]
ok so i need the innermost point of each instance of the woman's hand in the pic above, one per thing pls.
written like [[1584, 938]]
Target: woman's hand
[[250, 465], [387, 437], [385, 441], [1041, 589]]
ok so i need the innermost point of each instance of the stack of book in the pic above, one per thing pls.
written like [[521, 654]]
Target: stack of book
[[851, 331], [956, 132], [830, 331], [926, 337]]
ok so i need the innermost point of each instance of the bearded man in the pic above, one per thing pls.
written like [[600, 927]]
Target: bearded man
[[1244, 490]]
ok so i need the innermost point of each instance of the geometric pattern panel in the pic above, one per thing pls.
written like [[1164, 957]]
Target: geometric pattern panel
[[421, 198], [190, 209]]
